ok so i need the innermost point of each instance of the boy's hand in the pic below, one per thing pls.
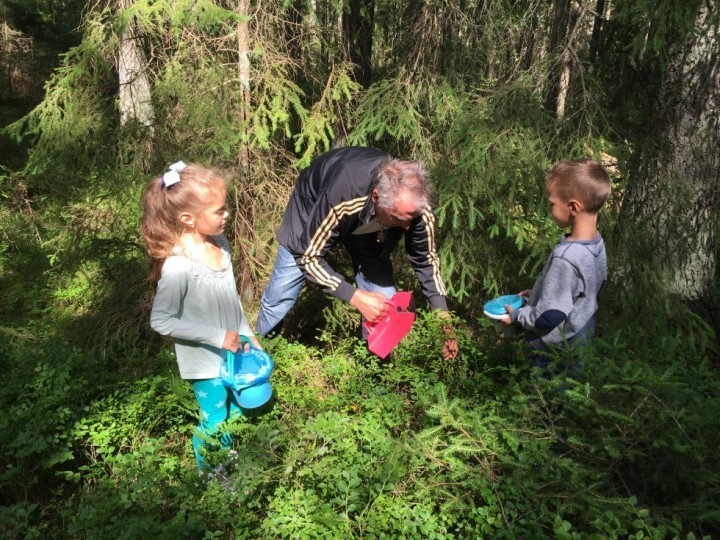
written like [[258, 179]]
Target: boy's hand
[[506, 319]]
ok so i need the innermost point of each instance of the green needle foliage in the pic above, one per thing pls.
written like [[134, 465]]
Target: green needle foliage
[[354, 447], [96, 431]]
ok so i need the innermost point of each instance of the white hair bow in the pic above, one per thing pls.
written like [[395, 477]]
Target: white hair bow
[[172, 177]]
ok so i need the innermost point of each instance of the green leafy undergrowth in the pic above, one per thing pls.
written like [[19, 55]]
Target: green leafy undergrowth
[[413, 446]]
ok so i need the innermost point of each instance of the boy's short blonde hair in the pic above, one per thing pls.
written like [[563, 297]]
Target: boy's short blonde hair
[[582, 179]]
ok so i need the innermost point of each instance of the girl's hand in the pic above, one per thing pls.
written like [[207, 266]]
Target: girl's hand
[[525, 293], [246, 346], [232, 341]]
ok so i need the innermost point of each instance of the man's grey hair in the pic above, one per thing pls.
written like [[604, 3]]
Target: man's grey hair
[[394, 176]]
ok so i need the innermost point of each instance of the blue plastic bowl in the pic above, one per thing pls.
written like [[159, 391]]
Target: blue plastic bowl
[[495, 309], [256, 396]]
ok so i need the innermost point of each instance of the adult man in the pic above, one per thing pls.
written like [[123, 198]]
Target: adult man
[[362, 198]]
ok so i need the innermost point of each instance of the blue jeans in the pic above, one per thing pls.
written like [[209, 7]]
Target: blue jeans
[[283, 289]]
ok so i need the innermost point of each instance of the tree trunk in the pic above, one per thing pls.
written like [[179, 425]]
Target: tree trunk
[[526, 49], [358, 27], [597, 30], [673, 203], [293, 28], [558, 32], [243, 43], [409, 46], [134, 99], [566, 64]]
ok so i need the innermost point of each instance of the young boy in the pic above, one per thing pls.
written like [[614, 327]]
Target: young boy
[[561, 306]]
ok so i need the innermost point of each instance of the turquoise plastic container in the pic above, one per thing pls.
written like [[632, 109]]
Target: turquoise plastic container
[[495, 309], [247, 374], [252, 397]]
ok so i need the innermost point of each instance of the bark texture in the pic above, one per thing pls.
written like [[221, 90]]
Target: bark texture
[[134, 99], [243, 44], [673, 203], [359, 36]]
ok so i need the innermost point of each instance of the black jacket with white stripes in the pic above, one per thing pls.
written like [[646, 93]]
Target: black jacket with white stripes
[[330, 201]]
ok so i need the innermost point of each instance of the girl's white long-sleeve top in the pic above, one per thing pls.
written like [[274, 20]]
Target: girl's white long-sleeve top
[[195, 305]]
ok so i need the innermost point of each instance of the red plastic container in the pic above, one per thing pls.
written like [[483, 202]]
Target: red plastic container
[[384, 335]]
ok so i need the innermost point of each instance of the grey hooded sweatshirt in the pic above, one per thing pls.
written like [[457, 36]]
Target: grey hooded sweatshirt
[[562, 305]]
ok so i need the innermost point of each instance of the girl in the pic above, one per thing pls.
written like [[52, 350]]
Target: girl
[[196, 300]]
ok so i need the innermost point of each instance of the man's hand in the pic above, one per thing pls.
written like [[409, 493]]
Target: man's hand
[[450, 349], [371, 305]]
